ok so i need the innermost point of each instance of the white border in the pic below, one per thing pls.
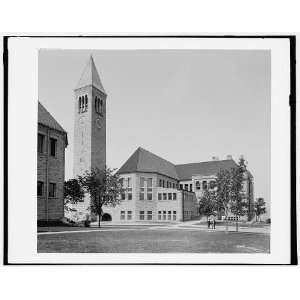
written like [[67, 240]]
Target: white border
[[22, 124]]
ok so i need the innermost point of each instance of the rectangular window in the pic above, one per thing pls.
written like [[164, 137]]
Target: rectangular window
[[159, 196], [164, 215], [149, 196], [123, 197], [204, 185], [40, 188], [186, 187], [129, 215], [129, 196], [52, 190], [197, 185], [142, 197], [41, 139], [122, 216], [149, 215], [53, 143], [174, 196], [191, 187], [165, 196], [142, 215], [149, 182], [159, 215], [160, 183], [181, 186], [169, 196], [174, 215], [169, 215], [142, 182], [129, 182], [163, 183]]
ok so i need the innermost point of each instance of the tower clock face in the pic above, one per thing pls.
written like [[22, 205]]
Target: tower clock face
[[98, 123]]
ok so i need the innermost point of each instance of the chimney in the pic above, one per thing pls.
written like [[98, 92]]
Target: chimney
[[229, 156], [215, 158]]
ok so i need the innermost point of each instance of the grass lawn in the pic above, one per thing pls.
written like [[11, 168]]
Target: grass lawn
[[154, 241]]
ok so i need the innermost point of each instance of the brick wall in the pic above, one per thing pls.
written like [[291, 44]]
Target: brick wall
[[53, 208]]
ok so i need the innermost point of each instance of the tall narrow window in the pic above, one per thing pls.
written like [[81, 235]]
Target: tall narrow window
[[40, 188], [122, 216], [164, 215], [174, 215], [149, 215], [53, 146], [142, 188], [197, 185], [86, 103], [52, 190], [159, 215], [204, 185], [186, 187], [101, 106], [79, 104], [174, 196], [41, 139], [169, 215], [149, 188], [142, 215], [191, 187], [129, 215]]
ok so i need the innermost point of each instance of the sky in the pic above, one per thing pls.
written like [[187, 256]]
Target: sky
[[183, 105]]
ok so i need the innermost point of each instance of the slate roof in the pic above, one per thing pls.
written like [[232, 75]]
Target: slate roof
[[90, 76], [144, 161], [46, 119], [186, 171]]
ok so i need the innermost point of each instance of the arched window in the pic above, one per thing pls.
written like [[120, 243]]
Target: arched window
[[79, 104], [86, 103], [96, 104], [101, 106]]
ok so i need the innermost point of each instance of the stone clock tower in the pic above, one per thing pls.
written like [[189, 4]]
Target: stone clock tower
[[90, 123]]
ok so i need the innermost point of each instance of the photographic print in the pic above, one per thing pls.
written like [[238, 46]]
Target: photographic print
[[152, 151]]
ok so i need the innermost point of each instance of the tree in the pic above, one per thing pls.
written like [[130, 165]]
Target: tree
[[238, 201], [259, 208], [223, 192], [207, 203], [104, 187], [73, 193]]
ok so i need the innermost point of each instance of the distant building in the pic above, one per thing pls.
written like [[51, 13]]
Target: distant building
[[157, 190], [52, 141]]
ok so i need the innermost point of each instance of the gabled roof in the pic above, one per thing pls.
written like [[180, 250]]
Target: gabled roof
[[90, 76], [144, 161], [186, 171], [46, 119]]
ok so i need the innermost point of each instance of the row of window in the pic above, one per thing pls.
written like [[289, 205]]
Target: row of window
[[41, 145], [205, 185], [83, 104], [148, 215], [51, 189], [167, 196], [167, 215], [123, 215], [167, 184]]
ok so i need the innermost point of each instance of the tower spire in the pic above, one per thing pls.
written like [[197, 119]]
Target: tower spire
[[90, 76]]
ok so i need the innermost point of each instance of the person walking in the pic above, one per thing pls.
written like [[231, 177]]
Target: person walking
[[214, 222], [208, 223]]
